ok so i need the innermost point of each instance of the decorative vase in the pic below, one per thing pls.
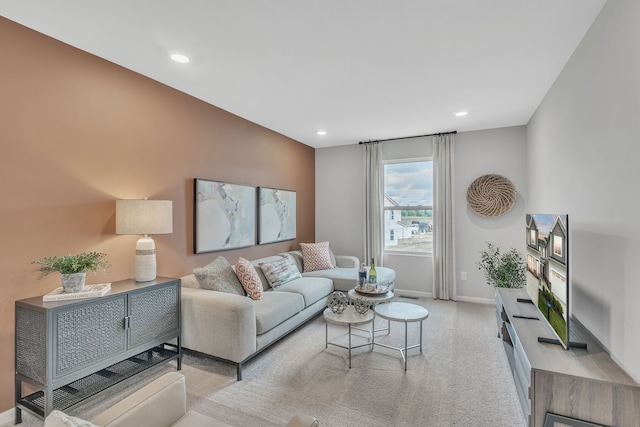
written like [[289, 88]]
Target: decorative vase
[[73, 282]]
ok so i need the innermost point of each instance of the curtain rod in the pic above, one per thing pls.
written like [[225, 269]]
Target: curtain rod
[[409, 137]]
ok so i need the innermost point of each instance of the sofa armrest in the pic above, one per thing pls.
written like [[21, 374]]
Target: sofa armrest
[[347, 261], [158, 404], [303, 421], [218, 323]]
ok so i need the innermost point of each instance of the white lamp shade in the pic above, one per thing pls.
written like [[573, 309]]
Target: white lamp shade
[[144, 217], [141, 216]]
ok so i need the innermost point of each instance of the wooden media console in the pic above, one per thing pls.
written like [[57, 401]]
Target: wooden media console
[[583, 387]]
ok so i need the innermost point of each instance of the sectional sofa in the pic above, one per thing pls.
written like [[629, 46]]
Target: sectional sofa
[[235, 328]]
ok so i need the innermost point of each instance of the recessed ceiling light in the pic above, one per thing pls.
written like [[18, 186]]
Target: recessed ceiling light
[[461, 113], [179, 57], [321, 132]]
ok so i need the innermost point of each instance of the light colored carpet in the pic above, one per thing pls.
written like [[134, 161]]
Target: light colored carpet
[[462, 378]]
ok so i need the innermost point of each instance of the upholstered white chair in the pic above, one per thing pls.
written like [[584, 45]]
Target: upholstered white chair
[[162, 403]]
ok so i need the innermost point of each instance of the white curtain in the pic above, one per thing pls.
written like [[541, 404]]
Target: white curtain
[[444, 270], [373, 203]]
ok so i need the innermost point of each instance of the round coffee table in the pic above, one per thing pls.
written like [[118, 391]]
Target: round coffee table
[[373, 300], [348, 317], [402, 312]]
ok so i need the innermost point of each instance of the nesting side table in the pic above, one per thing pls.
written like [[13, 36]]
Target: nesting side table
[[350, 318], [402, 312], [372, 300]]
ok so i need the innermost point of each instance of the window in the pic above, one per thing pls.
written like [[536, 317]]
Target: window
[[557, 245], [408, 206]]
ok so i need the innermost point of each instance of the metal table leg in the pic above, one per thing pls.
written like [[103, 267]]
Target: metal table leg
[[406, 354]]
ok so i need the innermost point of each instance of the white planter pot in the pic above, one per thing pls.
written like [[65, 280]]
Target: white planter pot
[[73, 282]]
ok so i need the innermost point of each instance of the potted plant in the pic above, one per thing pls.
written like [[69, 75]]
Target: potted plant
[[72, 268], [503, 270]]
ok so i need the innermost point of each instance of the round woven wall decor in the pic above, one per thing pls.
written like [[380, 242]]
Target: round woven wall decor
[[491, 195]]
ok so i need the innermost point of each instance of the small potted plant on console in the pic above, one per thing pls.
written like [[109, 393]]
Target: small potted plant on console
[[72, 268]]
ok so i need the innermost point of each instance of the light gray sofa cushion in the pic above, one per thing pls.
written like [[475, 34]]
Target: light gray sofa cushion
[[311, 288], [276, 307]]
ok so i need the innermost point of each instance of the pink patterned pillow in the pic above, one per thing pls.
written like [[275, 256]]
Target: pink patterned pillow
[[249, 278], [316, 256]]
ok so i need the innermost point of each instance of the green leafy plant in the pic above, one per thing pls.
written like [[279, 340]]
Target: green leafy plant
[[70, 264], [502, 270]]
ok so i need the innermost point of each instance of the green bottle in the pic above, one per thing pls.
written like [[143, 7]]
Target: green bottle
[[372, 273]]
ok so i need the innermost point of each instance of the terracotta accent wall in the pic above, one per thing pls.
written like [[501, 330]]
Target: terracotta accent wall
[[78, 132]]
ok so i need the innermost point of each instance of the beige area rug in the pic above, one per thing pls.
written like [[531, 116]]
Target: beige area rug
[[461, 378]]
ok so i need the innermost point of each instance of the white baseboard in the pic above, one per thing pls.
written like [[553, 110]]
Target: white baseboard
[[416, 294], [412, 294], [486, 301]]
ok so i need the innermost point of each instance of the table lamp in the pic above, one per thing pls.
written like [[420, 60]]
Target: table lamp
[[142, 216]]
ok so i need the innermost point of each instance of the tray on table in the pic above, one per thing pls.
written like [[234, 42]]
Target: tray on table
[[372, 290]]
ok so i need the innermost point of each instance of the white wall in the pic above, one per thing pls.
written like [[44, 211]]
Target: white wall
[[582, 154], [340, 189], [340, 198], [499, 151]]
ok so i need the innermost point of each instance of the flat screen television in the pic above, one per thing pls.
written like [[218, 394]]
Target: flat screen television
[[548, 281]]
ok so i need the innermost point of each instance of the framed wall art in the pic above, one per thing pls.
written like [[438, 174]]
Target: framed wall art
[[277, 215], [224, 216]]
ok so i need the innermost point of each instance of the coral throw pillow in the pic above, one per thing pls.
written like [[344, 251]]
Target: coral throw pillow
[[249, 278], [316, 256]]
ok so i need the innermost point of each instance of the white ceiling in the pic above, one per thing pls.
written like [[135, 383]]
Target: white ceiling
[[359, 69]]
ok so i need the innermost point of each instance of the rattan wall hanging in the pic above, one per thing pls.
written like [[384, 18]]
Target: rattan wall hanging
[[491, 195]]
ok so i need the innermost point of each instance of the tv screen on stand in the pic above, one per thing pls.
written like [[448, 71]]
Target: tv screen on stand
[[548, 281]]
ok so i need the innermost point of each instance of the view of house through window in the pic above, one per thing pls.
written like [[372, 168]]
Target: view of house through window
[[408, 206]]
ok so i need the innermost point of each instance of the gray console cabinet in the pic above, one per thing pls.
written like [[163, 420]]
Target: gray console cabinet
[[71, 350], [579, 387]]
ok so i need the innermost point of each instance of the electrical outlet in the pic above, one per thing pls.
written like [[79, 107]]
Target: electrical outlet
[[463, 275]]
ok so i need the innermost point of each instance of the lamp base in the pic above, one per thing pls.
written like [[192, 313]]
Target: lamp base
[[145, 259]]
